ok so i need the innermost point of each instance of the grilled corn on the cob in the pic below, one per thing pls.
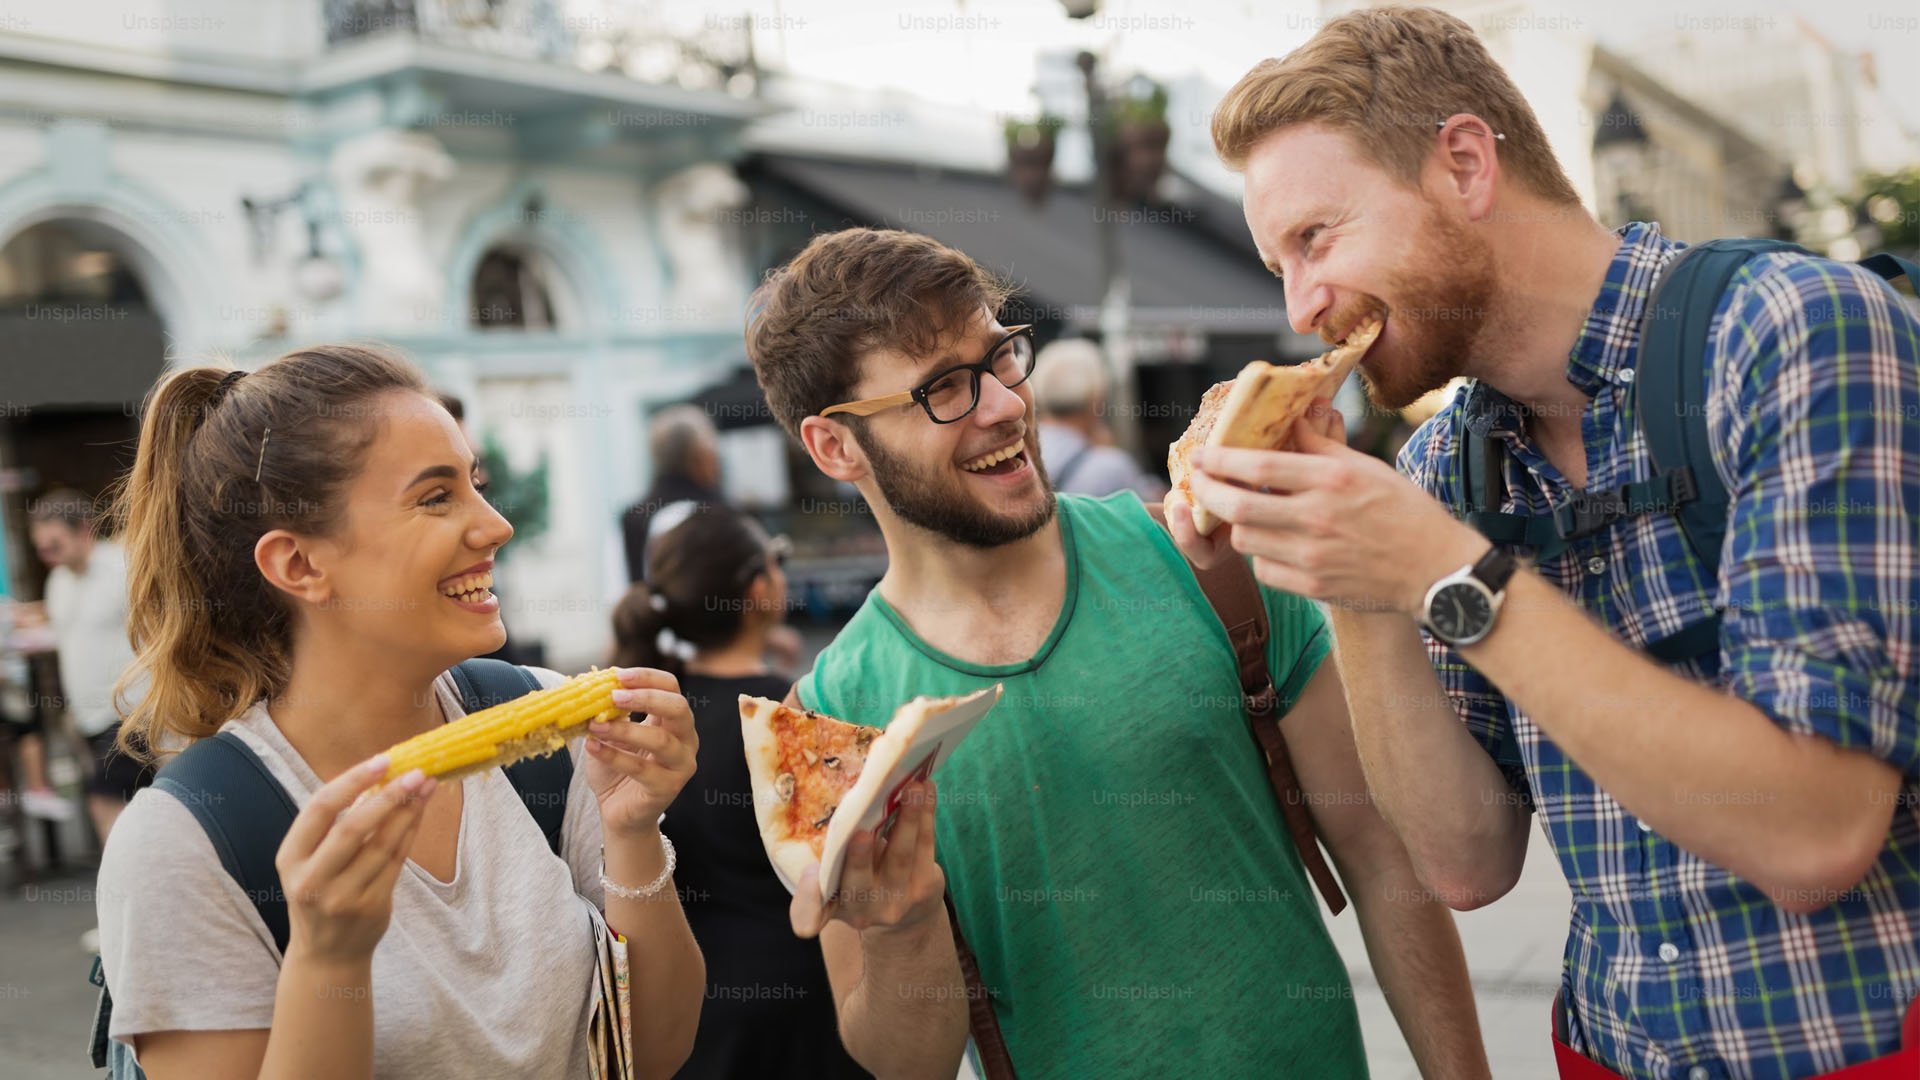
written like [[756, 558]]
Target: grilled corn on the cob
[[538, 723]]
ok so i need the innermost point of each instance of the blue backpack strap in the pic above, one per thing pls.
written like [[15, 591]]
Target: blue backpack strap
[[1891, 266], [542, 781], [1483, 476], [1671, 387], [244, 812]]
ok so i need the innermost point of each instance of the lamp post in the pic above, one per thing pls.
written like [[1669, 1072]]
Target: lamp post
[[1116, 299], [1129, 144]]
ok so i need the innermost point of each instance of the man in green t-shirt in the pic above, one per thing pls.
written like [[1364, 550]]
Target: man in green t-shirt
[[1108, 835]]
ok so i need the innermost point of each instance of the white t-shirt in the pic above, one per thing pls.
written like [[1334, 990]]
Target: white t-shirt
[[88, 613], [490, 974]]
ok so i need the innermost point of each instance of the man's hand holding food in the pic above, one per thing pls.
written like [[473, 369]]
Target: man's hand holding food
[[1325, 521], [889, 948]]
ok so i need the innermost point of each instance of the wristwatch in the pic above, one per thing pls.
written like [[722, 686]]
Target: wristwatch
[[1461, 607]]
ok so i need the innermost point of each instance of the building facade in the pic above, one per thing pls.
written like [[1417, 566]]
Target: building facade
[[486, 187]]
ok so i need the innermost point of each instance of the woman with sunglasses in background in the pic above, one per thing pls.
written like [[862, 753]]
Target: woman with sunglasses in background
[[716, 591]]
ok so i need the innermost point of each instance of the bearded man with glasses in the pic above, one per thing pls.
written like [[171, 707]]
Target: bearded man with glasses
[[1107, 835]]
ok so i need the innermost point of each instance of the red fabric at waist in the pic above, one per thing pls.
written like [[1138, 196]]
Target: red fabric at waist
[[1902, 1064]]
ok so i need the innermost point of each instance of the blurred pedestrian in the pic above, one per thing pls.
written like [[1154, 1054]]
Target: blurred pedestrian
[[718, 592], [1070, 391], [36, 794], [686, 467], [86, 605]]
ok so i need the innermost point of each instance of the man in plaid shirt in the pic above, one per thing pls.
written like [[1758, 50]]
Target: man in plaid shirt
[[1741, 832]]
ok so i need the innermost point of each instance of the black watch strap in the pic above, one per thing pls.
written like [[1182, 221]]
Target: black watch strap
[[1495, 568]]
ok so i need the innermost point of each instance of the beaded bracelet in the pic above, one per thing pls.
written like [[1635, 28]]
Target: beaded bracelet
[[648, 890]]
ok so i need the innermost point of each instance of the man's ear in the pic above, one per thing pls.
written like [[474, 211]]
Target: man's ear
[[287, 564], [833, 449], [1468, 164]]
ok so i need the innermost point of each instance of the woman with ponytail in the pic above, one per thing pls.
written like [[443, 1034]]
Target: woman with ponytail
[[307, 557], [715, 593]]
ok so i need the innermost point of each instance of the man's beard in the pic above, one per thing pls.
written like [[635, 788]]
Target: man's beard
[[1443, 305], [943, 506]]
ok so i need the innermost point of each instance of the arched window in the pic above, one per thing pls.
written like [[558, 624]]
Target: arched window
[[511, 290]]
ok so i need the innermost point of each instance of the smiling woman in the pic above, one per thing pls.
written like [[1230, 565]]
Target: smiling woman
[[310, 568]]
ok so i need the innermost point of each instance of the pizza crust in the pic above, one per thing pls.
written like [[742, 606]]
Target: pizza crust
[[789, 856], [1258, 410]]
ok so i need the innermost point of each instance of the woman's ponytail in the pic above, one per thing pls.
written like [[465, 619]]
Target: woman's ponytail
[[168, 621], [225, 457], [639, 621]]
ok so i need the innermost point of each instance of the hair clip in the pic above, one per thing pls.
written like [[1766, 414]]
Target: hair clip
[[261, 462]]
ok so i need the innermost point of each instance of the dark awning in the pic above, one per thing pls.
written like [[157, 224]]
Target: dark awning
[[1189, 265], [66, 355], [735, 401]]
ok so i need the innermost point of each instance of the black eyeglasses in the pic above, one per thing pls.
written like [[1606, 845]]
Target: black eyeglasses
[[950, 394]]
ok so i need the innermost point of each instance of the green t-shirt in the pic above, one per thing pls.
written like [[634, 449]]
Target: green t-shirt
[[1108, 832]]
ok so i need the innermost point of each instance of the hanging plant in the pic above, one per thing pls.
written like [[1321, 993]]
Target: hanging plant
[[1140, 140], [1030, 147]]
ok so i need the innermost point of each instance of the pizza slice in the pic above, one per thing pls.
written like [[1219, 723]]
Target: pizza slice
[[1258, 409], [802, 764], [818, 782]]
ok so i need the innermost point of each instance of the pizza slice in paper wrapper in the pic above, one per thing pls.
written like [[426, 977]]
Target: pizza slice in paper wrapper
[[819, 782]]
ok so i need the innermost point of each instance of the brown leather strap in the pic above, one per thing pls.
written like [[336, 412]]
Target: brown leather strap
[[996, 1062], [1234, 594]]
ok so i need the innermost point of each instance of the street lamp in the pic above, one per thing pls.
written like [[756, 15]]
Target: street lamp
[[1129, 144]]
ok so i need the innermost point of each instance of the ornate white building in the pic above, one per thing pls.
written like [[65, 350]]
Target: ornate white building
[[483, 185]]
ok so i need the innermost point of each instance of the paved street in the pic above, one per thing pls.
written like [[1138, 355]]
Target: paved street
[[1513, 947], [46, 1003], [1513, 951]]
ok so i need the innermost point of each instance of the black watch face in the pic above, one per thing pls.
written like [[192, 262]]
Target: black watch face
[[1460, 611]]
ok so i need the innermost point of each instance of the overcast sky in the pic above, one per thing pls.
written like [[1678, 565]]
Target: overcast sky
[[981, 52]]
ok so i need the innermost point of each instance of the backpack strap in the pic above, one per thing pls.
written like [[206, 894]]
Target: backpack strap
[[1670, 385], [542, 781], [1071, 465], [245, 813], [1234, 595], [996, 1062], [1892, 267], [1483, 469]]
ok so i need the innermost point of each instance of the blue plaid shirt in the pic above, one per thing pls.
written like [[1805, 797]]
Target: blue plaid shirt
[[1675, 968]]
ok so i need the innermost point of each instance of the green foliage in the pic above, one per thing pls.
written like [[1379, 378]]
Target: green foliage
[[1032, 132], [1149, 108], [521, 497], [1892, 202]]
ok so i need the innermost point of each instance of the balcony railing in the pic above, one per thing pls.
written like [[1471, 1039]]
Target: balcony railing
[[644, 41], [527, 28]]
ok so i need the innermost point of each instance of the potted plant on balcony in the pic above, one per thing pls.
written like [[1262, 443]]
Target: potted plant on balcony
[[1030, 145], [1140, 139]]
